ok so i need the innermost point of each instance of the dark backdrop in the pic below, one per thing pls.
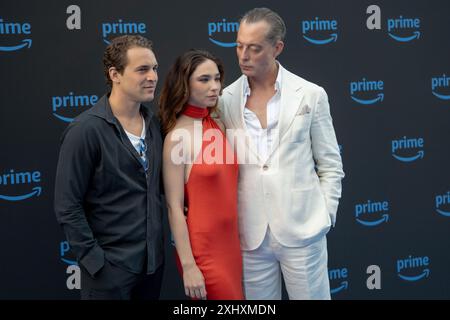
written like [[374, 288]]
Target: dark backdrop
[[394, 212]]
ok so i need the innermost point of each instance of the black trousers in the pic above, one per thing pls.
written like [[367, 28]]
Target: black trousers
[[114, 283]]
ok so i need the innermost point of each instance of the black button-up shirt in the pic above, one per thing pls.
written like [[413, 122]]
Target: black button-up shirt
[[108, 206]]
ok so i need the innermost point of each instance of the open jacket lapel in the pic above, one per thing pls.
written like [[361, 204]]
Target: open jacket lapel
[[291, 98]]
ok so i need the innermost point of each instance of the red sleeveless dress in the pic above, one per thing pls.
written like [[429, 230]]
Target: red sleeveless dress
[[211, 199]]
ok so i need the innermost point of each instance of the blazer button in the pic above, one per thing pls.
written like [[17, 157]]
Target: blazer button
[[265, 167]]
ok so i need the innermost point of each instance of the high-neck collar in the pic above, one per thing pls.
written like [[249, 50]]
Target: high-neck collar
[[195, 112]]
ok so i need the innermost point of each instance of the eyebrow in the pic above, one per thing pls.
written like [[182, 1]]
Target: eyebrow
[[146, 66], [208, 75], [249, 44]]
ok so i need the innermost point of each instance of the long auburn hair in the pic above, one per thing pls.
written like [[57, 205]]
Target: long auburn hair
[[176, 92]]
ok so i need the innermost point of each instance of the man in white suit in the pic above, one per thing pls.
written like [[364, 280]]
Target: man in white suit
[[288, 196]]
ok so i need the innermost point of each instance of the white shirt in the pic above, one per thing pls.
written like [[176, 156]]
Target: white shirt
[[136, 141], [263, 138]]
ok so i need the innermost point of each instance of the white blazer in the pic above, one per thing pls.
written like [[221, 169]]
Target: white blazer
[[286, 192]]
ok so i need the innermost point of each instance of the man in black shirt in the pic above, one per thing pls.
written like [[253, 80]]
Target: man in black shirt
[[108, 194]]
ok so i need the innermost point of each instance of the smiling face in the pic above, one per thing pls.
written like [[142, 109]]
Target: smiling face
[[138, 80], [255, 53], [205, 85]]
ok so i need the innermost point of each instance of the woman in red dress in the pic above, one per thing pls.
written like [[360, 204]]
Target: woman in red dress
[[200, 179]]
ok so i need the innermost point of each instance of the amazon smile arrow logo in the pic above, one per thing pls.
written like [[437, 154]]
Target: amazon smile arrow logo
[[444, 213], [221, 28], [367, 87], [371, 208], [343, 286], [440, 82], [26, 43], [12, 178], [424, 274], [379, 98], [384, 218], [440, 200], [69, 262], [65, 119], [413, 263], [406, 144], [441, 96], [319, 26], [419, 155], [404, 26], [416, 35], [333, 38], [70, 103], [36, 192], [15, 28], [340, 275], [223, 44]]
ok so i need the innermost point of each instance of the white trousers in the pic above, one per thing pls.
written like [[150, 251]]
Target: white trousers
[[304, 270]]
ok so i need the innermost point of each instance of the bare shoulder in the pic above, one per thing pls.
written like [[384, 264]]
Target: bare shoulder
[[184, 126], [183, 123]]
